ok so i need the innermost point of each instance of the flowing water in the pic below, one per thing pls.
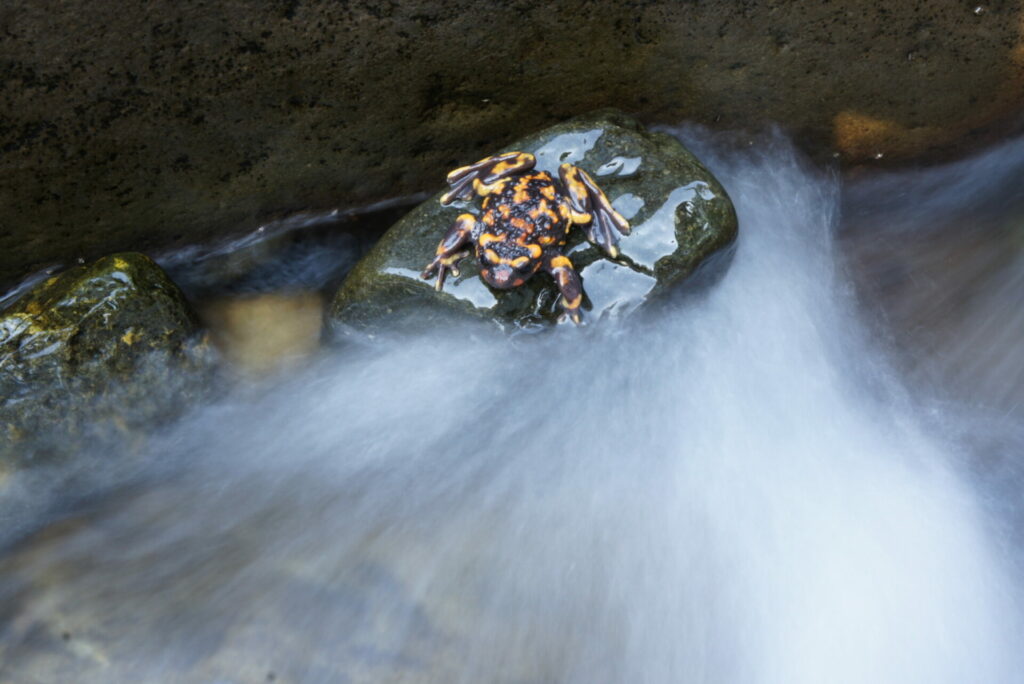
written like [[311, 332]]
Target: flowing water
[[739, 487]]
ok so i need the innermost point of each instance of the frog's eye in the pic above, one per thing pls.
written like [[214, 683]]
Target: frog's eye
[[520, 262], [491, 256]]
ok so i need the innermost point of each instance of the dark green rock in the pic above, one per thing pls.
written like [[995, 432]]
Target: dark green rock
[[680, 215], [95, 354]]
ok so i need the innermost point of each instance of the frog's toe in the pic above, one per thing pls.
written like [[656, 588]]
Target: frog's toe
[[434, 268], [575, 316], [430, 271], [441, 266], [601, 233]]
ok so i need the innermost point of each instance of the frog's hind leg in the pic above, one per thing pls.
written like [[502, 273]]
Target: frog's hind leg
[[569, 285], [451, 250], [589, 207], [484, 176]]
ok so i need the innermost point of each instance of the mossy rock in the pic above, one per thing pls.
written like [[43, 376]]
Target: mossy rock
[[680, 216], [98, 352]]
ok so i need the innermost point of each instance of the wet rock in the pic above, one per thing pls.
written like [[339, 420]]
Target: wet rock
[[680, 215], [95, 354]]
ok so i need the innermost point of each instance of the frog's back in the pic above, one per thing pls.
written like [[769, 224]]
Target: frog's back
[[525, 208]]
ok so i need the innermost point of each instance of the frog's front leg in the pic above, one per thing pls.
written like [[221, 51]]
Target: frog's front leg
[[451, 250], [589, 207], [569, 285]]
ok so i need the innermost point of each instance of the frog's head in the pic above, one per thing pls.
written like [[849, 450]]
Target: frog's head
[[504, 274]]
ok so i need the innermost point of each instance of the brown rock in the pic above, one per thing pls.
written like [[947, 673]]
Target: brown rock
[[261, 333], [146, 125]]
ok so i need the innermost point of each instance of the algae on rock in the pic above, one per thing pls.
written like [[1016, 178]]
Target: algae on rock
[[96, 354], [680, 216]]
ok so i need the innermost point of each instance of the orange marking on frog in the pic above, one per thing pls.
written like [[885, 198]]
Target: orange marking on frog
[[561, 262]]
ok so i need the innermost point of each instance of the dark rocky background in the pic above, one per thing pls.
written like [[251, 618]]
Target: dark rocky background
[[149, 125]]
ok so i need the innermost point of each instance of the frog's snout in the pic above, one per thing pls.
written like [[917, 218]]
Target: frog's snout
[[500, 276]]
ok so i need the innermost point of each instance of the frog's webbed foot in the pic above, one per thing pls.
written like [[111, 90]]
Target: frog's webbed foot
[[589, 207], [485, 174], [451, 250], [569, 285]]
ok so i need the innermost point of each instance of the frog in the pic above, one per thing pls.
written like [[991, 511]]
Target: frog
[[525, 222]]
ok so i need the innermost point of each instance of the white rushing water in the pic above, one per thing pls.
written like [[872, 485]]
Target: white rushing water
[[738, 489]]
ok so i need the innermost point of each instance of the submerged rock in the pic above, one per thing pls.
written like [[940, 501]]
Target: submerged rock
[[95, 353], [679, 213], [262, 333]]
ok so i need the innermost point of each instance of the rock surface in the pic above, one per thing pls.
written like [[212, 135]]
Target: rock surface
[[95, 354], [145, 125], [679, 213]]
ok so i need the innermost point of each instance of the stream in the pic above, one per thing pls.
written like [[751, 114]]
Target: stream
[[757, 482]]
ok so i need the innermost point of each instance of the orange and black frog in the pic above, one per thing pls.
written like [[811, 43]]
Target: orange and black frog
[[525, 223]]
